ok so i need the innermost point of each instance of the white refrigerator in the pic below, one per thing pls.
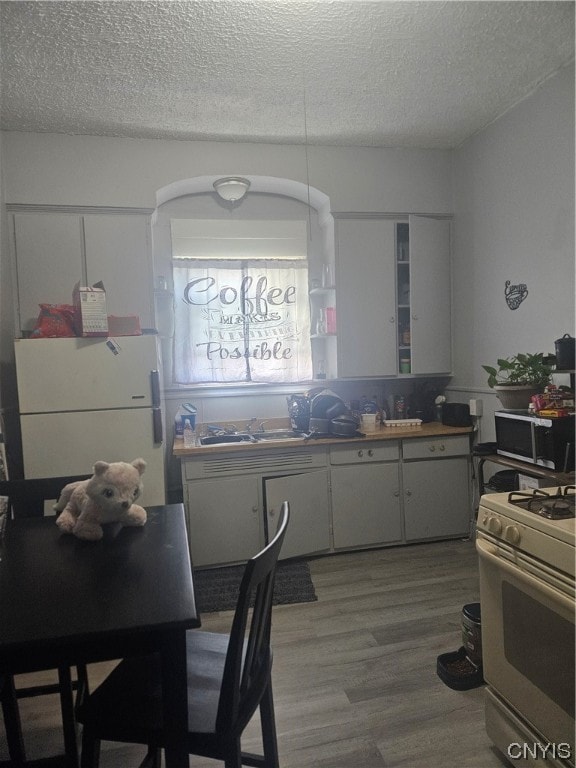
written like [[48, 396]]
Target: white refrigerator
[[84, 400]]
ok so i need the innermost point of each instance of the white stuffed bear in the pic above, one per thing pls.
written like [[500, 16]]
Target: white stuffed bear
[[107, 497]]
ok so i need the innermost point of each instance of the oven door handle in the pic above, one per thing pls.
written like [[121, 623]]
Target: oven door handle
[[490, 553]]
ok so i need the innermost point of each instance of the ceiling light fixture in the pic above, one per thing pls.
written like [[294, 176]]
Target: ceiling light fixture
[[232, 188]]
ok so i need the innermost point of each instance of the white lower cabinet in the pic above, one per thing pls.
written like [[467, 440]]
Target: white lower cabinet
[[349, 496], [309, 528], [234, 499], [366, 505], [224, 520], [365, 494], [436, 499], [436, 488]]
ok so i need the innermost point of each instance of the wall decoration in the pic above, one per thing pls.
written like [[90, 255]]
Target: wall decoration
[[515, 294]]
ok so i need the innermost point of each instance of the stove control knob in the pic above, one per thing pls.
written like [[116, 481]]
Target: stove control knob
[[494, 525], [512, 534]]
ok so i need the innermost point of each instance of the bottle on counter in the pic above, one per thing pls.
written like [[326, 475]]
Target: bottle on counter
[[439, 402], [189, 435], [179, 423], [185, 411], [399, 407]]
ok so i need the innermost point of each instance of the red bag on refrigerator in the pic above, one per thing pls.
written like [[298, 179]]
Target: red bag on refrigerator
[[54, 320]]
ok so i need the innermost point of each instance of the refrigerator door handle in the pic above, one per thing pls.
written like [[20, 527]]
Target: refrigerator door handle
[[155, 387], [157, 425]]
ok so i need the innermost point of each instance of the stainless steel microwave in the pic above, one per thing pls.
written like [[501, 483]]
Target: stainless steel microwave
[[547, 442]]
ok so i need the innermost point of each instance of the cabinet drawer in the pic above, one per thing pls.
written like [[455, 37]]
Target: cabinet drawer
[[364, 452], [436, 448], [244, 462]]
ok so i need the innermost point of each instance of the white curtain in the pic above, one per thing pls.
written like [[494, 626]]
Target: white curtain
[[236, 321]]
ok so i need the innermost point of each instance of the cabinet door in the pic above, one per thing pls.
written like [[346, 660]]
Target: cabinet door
[[436, 498], [118, 253], [365, 505], [430, 295], [366, 291], [223, 520], [309, 527], [48, 254]]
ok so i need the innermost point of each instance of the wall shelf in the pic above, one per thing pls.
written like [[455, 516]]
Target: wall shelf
[[322, 291]]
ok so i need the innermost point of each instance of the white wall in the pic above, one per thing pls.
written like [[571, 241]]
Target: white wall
[[89, 170], [513, 187]]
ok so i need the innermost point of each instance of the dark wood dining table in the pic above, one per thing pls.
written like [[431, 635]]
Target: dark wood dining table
[[64, 601]]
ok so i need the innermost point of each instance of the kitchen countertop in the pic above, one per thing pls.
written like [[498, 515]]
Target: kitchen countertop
[[431, 429]]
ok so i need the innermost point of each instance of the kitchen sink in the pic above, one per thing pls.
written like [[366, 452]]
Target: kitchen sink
[[280, 434], [224, 439], [272, 435]]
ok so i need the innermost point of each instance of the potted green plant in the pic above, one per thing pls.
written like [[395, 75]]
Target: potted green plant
[[517, 378]]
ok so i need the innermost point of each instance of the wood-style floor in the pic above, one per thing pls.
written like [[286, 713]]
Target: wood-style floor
[[355, 679]]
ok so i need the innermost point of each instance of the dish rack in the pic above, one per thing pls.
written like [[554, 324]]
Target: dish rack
[[402, 422]]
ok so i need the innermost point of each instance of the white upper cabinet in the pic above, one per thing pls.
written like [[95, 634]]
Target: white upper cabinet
[[118, 253], [55, 250], [430, 295], [366, 291], [48, 249], [393, 296]]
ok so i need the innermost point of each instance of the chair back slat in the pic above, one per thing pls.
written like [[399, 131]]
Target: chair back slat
[[248, 659], [26, 498]]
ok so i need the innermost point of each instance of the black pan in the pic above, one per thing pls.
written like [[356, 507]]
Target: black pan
[[344, 426], [319, 426], [336, 410]]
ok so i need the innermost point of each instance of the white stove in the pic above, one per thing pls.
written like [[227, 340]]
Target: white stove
[[540, 522], [526, 546]]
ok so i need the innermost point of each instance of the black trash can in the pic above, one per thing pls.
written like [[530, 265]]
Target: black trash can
[[471, 633], [506, 480]]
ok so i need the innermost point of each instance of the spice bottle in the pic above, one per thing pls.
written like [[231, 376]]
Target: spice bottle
[[189, 437]]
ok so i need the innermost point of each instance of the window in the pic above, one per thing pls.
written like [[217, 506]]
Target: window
[[241, 301]]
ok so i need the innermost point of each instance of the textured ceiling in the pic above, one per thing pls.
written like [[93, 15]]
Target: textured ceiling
[[342, 72]]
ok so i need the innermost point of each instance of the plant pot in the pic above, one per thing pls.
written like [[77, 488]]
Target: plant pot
[[515, 397]]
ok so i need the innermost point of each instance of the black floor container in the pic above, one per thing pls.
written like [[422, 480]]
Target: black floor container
[[462, 669]]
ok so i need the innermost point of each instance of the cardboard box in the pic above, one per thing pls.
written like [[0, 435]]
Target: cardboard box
[[528, 483], [90, 306], [127, 325]]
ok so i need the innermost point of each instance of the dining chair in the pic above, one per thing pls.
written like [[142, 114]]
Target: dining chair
[[27, 498], [229, 678]]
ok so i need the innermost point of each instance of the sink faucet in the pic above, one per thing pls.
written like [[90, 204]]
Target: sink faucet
[[261, 427], [248, 427]]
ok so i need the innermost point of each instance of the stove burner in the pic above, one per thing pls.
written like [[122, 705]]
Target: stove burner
[[552, 506], [555, 509]]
